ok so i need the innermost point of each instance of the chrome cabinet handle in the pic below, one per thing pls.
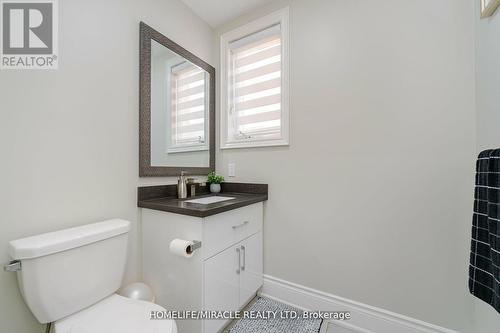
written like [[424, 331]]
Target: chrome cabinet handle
[[243, 251], [240, 225], [239, 260]]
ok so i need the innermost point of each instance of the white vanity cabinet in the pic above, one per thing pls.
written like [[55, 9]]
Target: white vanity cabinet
[[224, 274]]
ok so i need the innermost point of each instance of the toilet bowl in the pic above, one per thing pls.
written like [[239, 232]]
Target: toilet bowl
[[69, 278], [116, 314]]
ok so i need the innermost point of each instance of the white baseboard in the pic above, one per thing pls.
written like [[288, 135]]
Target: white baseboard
[[364, 318]]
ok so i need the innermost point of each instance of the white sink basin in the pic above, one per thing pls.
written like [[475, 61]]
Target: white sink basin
[[209, 200]]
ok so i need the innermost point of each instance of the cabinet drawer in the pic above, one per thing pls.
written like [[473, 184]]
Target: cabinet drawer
[[223, 230]]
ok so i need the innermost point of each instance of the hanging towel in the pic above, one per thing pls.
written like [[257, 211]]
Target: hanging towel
[[484, 269]]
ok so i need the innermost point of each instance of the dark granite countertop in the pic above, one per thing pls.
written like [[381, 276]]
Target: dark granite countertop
[[164, 198]]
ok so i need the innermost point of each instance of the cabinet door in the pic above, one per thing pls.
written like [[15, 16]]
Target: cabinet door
[[251, 267], [221, 285]]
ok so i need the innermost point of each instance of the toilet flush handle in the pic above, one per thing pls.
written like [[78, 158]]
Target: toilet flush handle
[[13, 266]]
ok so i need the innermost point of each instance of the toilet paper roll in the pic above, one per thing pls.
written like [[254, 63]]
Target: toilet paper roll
[[181, 247]]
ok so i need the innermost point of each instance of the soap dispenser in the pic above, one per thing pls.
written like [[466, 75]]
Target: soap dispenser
[[182, 186]]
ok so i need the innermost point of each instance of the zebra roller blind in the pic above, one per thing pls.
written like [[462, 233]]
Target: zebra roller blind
[[188, 91], [254, 86]]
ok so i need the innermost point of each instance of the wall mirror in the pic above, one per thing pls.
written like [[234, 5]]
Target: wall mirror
[[177, 109]]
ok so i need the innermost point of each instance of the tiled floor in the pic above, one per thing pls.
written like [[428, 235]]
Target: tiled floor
[[231, 324], [326, 327]]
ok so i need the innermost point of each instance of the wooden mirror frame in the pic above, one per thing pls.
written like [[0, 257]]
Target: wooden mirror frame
[[145, 168]]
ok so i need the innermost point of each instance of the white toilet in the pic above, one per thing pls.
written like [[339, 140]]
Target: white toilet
[[70, 277]]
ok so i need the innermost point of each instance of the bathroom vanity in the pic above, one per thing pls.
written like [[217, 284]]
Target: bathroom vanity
[[225, 272]]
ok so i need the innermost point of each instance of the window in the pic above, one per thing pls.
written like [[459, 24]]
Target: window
[[254, 84], [187, 95]]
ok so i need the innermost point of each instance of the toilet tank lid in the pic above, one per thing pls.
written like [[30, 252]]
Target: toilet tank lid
[[52, 242]]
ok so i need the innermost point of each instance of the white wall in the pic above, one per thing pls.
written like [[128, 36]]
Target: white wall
[[372, 200], [69, 138], [488, 121], [488, 81]]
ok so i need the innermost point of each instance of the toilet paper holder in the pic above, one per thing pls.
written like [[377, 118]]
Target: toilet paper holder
[[196, 245]]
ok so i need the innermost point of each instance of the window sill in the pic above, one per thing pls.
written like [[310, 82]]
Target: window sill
[[254, 144], [177, 150]]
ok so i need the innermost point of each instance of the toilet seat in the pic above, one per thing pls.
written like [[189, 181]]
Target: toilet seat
[[116, 314]]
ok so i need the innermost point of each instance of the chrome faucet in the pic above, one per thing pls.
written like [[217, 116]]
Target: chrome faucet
[[183, 183], [182, 186]]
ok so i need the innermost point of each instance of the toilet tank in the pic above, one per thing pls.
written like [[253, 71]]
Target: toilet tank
[[65, 271]]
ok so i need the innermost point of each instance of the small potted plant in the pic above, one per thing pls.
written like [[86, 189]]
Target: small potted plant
[[214, 180]]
